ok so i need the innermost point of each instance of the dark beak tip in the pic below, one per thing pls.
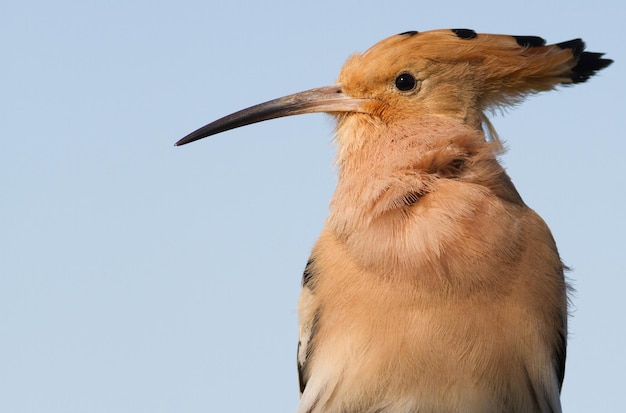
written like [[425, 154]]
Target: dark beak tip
[[192, 137]]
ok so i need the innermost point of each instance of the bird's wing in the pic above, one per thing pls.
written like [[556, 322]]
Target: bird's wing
[[308, 324]]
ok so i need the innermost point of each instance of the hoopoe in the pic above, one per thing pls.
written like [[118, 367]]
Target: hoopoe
[[433, 287]]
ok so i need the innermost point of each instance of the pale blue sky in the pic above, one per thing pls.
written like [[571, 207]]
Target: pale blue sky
[[139, 277]]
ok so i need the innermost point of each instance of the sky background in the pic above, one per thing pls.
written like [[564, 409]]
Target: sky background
[[140, 277]]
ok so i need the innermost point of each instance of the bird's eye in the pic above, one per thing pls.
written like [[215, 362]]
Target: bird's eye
[[405, 82]]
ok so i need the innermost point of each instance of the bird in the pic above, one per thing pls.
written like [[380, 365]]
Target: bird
[[432, 287]]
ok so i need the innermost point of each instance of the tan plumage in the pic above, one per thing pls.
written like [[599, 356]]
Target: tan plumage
[[433, 287]]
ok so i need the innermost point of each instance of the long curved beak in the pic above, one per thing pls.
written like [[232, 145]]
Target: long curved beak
[[330, 99]]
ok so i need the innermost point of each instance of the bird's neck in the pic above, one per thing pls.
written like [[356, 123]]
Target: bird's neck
[[406, 194], [385, 169]]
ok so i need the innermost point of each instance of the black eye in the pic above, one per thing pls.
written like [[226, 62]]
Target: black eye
[[405, 82]]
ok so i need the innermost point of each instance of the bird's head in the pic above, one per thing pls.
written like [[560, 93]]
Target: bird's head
[[455, 74]]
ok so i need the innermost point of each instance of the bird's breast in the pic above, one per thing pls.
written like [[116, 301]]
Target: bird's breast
[[417, 334]]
